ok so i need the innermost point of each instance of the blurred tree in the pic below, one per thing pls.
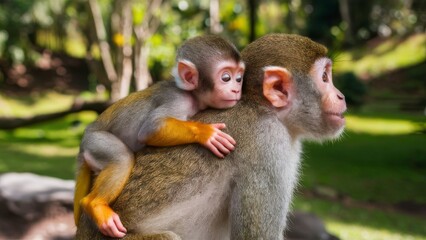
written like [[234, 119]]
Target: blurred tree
[[128, 42], [345, 13], [127, 17], [353, 89], [349, 22], [20, 23], [215, 26], [252, 10], [324, 15], [144, 30], [100, 38]]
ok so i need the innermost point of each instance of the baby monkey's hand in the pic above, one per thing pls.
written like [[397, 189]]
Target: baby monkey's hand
[[218, 142]]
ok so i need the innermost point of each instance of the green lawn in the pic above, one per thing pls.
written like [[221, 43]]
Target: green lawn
[[380, 161], [47, 149], [367, 167], [356, 223]]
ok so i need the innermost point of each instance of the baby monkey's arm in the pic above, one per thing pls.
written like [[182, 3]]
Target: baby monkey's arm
[[174, 132]]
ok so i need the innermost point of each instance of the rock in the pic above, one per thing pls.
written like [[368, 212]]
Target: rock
[[326, 192], [306, 226], [27, 195], [36, 207]]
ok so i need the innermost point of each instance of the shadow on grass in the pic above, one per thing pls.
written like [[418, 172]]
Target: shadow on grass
[[382, 169], [391, 222], [373, 168], [16, 160]]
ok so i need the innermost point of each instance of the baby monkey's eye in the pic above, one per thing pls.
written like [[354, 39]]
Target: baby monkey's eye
[[325, 77], [226, 77], [239, 78]]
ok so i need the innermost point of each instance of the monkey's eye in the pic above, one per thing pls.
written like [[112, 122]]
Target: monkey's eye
[[226, 77], [239, 78], [325, 77]]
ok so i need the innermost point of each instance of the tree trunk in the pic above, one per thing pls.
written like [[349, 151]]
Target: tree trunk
[[215, 26], [344, 12], [125, 29], [104, 46], [252, 19], [290, 18], [142, 75], [143, 32]]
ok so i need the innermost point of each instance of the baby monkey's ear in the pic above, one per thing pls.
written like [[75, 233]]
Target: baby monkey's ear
[[188, 75]]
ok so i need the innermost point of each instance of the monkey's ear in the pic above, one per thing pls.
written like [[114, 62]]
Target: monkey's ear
[[277, 85], [188, 75]]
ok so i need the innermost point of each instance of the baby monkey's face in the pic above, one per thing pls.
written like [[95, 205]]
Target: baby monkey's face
[[228, 81]]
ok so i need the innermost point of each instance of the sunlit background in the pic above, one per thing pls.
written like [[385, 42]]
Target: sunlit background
[[59, 56]]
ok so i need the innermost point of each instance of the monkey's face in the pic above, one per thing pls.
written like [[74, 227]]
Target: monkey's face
[[227, 78], [307, 103], [318, 106], [333, 103]]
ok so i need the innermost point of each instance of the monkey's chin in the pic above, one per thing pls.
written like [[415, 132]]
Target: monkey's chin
[[227, 104], [337, 120]]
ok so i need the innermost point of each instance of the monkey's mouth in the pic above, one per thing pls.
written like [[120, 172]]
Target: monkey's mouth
[[336, 118], [232, 101], [335, 114]]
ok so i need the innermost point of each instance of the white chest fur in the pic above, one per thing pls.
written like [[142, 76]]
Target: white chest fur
[[202, 216]]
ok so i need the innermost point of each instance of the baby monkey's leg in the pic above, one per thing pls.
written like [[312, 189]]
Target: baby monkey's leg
[[115, 160]]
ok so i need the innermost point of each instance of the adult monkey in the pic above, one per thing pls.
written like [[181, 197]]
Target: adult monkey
[[184, 193]]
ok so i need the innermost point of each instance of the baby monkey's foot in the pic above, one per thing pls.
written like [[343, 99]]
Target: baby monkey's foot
[[106, 219], [113, 227]]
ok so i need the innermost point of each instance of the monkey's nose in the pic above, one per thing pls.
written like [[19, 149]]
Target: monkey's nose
[[340, 96], [236, 91]]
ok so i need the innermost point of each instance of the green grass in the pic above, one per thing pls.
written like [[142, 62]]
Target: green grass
[[377, 159], [23, 106], [349, 223], [388, 56], [46, 149], [382, 126]]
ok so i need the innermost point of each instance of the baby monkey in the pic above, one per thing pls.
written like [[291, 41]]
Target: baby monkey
[[208, 73]]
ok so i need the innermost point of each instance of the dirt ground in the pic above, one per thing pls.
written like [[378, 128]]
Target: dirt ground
[[53, 226]]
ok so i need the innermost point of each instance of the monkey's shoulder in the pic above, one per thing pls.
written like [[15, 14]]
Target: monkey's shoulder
[[245, 118]]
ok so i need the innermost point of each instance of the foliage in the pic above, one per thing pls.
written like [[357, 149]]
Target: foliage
[[321, 20], [387, 56], [65, 25], [353, 89]]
